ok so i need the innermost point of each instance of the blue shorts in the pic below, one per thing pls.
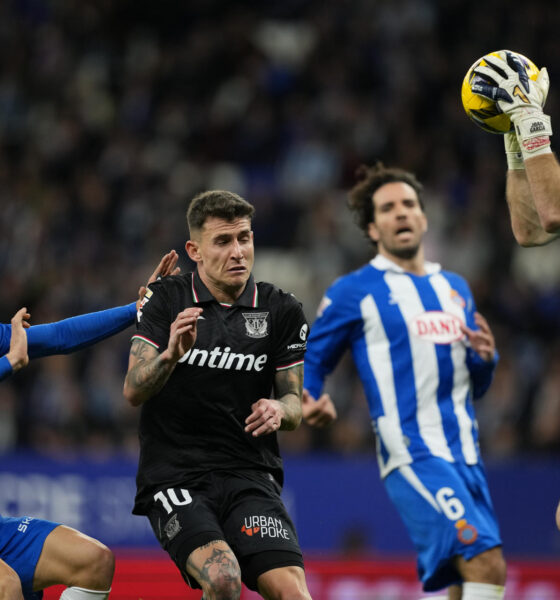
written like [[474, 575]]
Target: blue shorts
[[447, 510], [21, 543]]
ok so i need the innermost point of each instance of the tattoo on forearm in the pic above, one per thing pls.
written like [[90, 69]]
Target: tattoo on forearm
[[288, 387], [140, 350], [149, 374], [221, 565]]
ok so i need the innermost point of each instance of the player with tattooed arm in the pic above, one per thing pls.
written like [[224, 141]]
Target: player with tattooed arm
[[209, 348]]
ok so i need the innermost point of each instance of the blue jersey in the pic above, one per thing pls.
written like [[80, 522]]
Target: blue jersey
[[418, 373], [68, 335]]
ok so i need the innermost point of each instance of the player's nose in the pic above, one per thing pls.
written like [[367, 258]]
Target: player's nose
[[237, 250]]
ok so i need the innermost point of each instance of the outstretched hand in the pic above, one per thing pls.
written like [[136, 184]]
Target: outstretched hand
[[17, 354], [167, 266], [482, 339], [318, 413]]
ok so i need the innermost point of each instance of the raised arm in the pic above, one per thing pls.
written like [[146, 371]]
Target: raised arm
[[533, 197], [533, 180], [525, 220], [283, 412], [543, 173]]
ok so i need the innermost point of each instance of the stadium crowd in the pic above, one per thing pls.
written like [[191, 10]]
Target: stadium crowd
[[113, 115]]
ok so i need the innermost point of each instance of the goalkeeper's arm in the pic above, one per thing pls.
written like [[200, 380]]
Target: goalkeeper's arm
[[533, 194], [533, 182], [543, 174], [525, 220]]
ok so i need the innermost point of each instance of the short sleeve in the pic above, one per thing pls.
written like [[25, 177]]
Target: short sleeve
[[292, 329], [153, 319]]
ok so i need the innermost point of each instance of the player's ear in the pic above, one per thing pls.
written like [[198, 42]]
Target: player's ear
[[373, 232], [193, 250], [425, 224]]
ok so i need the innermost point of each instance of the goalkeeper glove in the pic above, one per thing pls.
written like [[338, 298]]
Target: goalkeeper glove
[[518, 97]]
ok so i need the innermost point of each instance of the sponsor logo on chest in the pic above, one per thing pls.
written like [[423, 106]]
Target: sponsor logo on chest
[[437, 327], [219, 358]]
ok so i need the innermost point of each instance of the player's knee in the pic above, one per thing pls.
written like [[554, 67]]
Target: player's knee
[[287, 583], [492, 566], [104, 565], [10, 587], [97, 574]]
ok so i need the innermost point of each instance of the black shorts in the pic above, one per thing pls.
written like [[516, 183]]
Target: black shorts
[[243, 508]]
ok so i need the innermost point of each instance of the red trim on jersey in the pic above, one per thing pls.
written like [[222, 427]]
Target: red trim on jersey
[[282, 367], [195, 297], [145, 339]]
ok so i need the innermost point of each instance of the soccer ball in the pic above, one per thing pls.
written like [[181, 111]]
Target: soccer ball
[[486, 113]]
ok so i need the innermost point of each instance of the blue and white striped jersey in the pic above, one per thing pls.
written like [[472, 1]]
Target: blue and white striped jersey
[[418, 374]]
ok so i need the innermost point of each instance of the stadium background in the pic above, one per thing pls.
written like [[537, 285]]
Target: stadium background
[[113, 114]]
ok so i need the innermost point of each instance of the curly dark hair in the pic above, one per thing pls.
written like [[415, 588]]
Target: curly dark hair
[[217, 203], [370, 180]]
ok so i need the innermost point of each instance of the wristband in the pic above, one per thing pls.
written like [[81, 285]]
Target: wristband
[[533, 133]]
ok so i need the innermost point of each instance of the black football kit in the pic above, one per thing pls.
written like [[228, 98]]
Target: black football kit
[[201, 477]]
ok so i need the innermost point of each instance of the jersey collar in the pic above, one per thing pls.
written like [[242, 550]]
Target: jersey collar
[[200, 292], [382, 263]]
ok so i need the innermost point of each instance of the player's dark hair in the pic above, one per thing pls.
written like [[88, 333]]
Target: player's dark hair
[[370, 180], [217, 203]]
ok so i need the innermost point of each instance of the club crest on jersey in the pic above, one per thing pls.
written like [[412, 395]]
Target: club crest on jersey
[[466, 532], [437, 327], [256, 324], [457, 298], [145, 299]]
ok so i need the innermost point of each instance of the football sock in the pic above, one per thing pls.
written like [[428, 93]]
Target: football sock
[[78, 593], [482, 591]]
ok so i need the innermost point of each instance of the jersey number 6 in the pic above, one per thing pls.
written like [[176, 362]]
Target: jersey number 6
[[452, 507]]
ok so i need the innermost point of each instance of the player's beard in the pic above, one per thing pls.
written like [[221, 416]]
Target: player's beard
[[406, 253]]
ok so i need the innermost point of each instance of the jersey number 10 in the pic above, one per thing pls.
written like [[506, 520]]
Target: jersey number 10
[[172, 498]]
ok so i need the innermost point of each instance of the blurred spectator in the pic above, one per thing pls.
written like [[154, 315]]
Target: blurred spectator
[[113, 115]]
